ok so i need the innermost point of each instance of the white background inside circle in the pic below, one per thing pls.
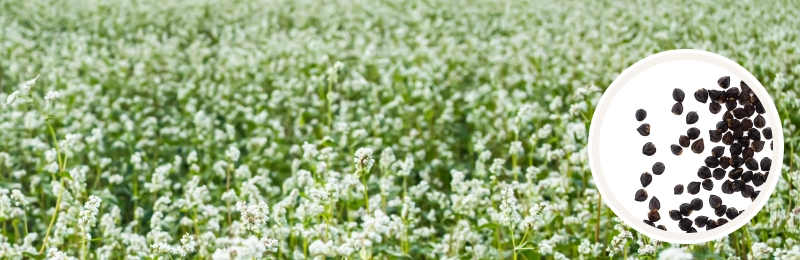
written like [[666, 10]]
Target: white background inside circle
[[651, 90], [595, 157]]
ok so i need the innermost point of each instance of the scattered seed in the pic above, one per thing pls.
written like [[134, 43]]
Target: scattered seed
[[735, 173], [678, 95], [727, 138], [691, 230], [747, 176], [714, 107], [724, 162], [718, 174], [686, 209], [731, 213], [714, 136], [759, 107], [744, 142], [677, 109], [693, 133], [708, 184], [759, 121], [749, 109], [735, 149], [649, 222], [766, 163], [662, 227], [692, 117], [703, 172], [724, 82], [697, 204], [644, 129], [737, 161], [641, 195], [718, 151], [758, 179], [685, 224], [745, 87], [641, 115], [711, 162], [726, 187], [701, 95], [678, 190], [737, 185], [753, 198], [645, 179], [698, 146], [700, 221], [730, 104], [684, 141], [714, 201], [722, 221], [653, 216], [748, 191], [675, 215], [757, 146], [746, 124], [719, 211], [693, 187], [676, 149], [767, 133], [739, 113], [654, 205], [727, 116], [649, 149], [737, 134], [754, 135], [711, 224], [722, 126], [751, 164], [658, 168]]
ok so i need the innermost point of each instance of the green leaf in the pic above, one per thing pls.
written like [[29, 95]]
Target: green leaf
[[488, 225], [524, 248], [396, 253], [65, 174], [32, 255]]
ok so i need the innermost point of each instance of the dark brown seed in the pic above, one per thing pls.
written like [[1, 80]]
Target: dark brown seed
[[722, 221], [654, 205], [644, 129], [708, 184], [653, 216], [739, 113], [759, 179], [736, 149], [737, 161], [724, 82], [748, 191], [737, 185], [731, 213], [747, 176], [676, 149], [730, 104], [735, 173], [658, 168], [714, 95], [675, 215], [732, 92], [692, 117], [700, 221], [718, 174], [724, 162], [677, 109], [722, 126], [760, 108], [678, 190], [697, 204], [759, 121], [698, 146], [714, 136], [649, 149], [703, 172], [714, 201], [751, 164], [645, 179], [734, 124], [718, 151], [726, 187], [714, 107], [711, 162], [686, 209], [685, 224], [766, 163], [770, 145], [745, 142], [719, 211], [678, 95], [753, 198], [693, 133], [641, 195], [684, 141], [711, 224], [767, 133], [662, 227], [727, 138], [749, 109], [757, 146], [701, 95], [641, 115], [745, 87], [738, 134], [727, 116], [693, 187], [649, 222], [691, 230], [753, 134], [746, 124]]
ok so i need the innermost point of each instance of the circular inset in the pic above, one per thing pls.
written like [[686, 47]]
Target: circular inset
[[710, 188]]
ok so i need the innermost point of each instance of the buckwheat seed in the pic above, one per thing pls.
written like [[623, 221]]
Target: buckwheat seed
[[700, 221], [708, 184], [767, 133], [658, 168], [677, 109], [641, 115], [718, 151], [693, 133], [686, 209], [714, 201], [683, 141], [692, 117], [649, 149], [641, 195], [714, 107], [645, 179], [766, 163], [701, 95], [644, 129], [678, 95], [703, 172], [693, 187], [718, 174], [698, 146], [678, 190], [675, 215], [676, 149], [759, 121], [724, 82], [719, 211], [654, 204]]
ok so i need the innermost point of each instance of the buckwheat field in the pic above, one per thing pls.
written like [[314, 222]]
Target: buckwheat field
[[353, 129]]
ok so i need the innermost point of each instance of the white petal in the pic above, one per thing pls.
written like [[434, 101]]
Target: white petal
[[10, 99]]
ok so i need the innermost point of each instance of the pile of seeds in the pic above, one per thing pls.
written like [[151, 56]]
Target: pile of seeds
[[741, 131]]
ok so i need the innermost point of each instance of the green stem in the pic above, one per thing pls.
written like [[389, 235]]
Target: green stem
[[514, 244], [53, 219], [366, 193]]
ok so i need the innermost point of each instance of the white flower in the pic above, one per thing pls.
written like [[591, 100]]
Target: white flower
[[516, 148], [89, 213], [760, 250], [363, 160], [52, 95], [10, 99], [187, 244], [232, 153], [509, 208], [72, 139], [254, 217], [674, 253]]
